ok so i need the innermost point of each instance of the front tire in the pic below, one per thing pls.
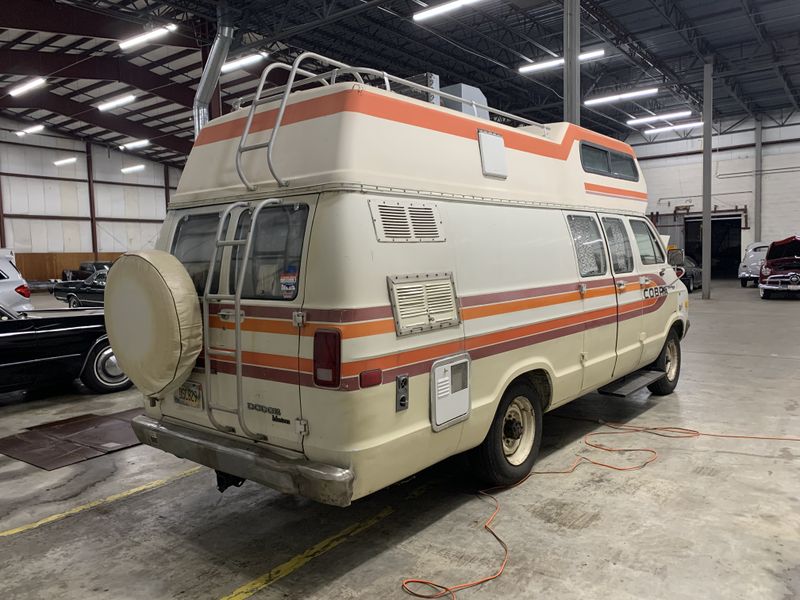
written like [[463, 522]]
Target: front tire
[[73, 302], [102, 373], [743, 282], [507, 454], [765, 294], [668, 361], [690, 286]]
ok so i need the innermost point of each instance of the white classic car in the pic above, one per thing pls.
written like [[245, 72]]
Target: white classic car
[[750, 268]]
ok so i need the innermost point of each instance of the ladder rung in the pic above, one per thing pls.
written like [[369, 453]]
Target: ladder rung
[[222, 352], [221, 243], [225, 410], [255, 146], [220, 297]]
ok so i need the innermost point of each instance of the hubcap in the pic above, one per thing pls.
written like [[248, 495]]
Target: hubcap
[[672, 360], [519, 430], [107, 368]]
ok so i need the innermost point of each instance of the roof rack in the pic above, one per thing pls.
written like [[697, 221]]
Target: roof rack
[[329, 78]]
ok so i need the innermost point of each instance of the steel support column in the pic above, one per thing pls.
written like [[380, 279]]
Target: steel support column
[[166, 187], [759, 172], [92, 212], [2, 221], [572, 69], [708, 100]]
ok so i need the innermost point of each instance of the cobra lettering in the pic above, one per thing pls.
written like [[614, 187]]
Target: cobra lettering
[[655, 292]]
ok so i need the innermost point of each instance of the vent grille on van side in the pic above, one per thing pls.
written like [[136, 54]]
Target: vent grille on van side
[[406, 221], [423, 302]]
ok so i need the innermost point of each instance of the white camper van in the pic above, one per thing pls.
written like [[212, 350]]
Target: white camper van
[[352, 285]]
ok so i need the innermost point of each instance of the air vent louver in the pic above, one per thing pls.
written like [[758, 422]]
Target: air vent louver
[[406, 221], [423, 302]]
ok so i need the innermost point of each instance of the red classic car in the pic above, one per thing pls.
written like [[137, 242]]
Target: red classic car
[[781, 269]]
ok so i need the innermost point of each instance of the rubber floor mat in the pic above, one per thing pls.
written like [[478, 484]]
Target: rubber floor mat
[[69, 441]]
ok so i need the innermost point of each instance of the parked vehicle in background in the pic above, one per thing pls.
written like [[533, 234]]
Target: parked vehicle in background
[[38, 347], [14, 290], [85, 270], [89, 292], [781, 269], [750, 268], [692, 276]]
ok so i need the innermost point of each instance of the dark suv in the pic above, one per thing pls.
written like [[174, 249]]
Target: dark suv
[[781, 269]]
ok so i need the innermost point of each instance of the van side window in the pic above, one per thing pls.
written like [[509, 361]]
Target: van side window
[[649, 248], [619, 245], [273, 270], [589, 246], [193, 245], [602, 161]]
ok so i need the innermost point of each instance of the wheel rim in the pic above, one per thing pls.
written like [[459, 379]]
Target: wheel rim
[[672, 360], [107, 369], [73, 303], [519, 430]]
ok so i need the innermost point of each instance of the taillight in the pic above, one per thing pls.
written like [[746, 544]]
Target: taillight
[[23, 290], [327, 358]]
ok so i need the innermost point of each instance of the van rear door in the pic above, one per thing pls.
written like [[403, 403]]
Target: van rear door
[[272, 292]]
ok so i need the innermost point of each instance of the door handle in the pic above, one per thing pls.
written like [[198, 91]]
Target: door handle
[[646, 280], [620, 285]]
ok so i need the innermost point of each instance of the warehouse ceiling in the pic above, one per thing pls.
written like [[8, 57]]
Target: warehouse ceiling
[[755, 45]]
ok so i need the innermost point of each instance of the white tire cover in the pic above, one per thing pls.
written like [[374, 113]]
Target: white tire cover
[[153, 320]]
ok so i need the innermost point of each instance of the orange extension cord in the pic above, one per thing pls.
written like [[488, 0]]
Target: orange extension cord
[[439, 591]]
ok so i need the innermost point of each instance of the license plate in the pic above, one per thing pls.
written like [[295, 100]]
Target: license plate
[[190, 394], [794, 288]]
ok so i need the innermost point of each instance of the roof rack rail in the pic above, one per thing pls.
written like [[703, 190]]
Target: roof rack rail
[[328, 78]]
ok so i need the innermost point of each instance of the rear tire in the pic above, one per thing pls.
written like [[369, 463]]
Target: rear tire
[[507, 454], [765, 294], [102, 373], [743, 282], [690, 287], [73, 302], [668, 361]]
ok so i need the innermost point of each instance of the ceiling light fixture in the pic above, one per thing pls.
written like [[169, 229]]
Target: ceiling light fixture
[[31, 129], [65, 161], [244, 61], [27, 86], [665, 117], [557, 62], [673, 128], [441, 9], [116, 102], [146, 37], [132, 169], [136, 144], [623, 96]]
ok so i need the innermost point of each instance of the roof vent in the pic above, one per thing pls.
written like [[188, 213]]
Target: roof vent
[[423, 302], [406, 222]]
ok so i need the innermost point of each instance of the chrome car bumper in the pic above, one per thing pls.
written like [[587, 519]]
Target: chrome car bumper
[[320, 482], [779, 288]]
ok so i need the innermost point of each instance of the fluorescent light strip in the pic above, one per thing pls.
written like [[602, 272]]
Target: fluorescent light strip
[[132, 169], [673, 128], [136, 144], [665, 117], [65, 161], [623, 96], [441, 9], [32, 129], [557, 62], [243, 62], [116, 102], [27, 86], [146, 37]]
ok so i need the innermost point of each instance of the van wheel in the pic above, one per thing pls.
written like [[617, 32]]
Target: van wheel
[[102, 373], [668, 361], [73, 302], [512, 444], [765, 294], [743, 282]]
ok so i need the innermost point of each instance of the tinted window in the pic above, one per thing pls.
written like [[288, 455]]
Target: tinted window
[[609, 163], [3, 275], [273, 269], [619, 245], [623, 166], [193, 245], [649, 248], [589, 246], [594, 159], [760, 249]]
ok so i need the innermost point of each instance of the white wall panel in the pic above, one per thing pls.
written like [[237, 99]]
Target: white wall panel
[[120, 237], [32, 235]]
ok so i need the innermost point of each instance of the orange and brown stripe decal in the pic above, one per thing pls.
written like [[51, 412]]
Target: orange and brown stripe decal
[[607, 190]]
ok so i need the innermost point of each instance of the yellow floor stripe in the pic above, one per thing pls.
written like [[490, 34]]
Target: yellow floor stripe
[[102, 502], [294, 563]]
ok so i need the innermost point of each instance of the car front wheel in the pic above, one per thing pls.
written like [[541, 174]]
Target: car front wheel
[[765, 294], [73, 302], [743, 282], [102, 373]]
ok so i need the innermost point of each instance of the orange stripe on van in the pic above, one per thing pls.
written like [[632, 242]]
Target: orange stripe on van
[[401, 111], [614, 191]]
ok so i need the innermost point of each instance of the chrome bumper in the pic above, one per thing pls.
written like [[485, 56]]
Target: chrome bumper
[[320, 482], [777, 288]]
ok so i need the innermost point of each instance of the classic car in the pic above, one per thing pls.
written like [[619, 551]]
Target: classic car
[[692, 276], [85, 270], [781, 269], [42, 347], [88, 292], [750, 268], [14, 290]]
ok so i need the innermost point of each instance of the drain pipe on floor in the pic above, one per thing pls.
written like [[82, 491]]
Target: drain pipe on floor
[[212, 69]]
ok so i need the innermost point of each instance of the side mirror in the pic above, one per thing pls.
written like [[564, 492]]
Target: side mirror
[[680, 272], [676, 258]]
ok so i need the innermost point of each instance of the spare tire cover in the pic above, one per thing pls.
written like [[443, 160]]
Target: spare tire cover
[[153, 319]]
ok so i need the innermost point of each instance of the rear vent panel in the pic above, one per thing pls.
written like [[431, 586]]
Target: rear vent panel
[[406, 221], [423, 302]]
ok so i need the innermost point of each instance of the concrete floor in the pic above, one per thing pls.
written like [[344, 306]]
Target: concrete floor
[[711, 518]]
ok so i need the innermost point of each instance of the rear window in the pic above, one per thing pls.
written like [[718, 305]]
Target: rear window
[[602, 161], [193, 245]]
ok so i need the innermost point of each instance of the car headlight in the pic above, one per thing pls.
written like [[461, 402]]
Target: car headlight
[[765, 271]]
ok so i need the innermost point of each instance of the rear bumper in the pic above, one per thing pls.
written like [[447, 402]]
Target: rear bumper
[[320, 482]]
